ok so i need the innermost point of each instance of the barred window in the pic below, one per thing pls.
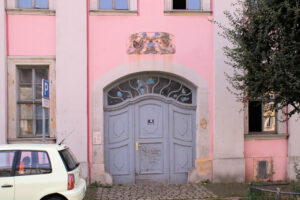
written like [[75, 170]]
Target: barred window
[[29, 101], [147, 84]]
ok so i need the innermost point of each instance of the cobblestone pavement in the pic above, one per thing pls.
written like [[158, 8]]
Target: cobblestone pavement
[[158, 191]]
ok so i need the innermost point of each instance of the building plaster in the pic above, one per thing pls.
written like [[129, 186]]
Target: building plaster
[[271, 150], [228, 113], [293, 146], [3, 75], [31, 35], [71, 77], [202, 101]]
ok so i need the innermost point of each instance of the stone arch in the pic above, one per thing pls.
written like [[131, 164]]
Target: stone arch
[[158, 66]]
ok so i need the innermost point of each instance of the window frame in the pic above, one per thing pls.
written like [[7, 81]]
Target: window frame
[[34, 101], [187, 6], [12, 63], [13, 9], [33, 2], [205, 7], [114, 6], [262, 120], [130, 11]]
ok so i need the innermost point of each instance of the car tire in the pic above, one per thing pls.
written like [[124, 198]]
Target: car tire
[[55, 198]]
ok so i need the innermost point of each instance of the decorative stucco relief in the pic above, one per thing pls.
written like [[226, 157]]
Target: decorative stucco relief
[[151, 43]]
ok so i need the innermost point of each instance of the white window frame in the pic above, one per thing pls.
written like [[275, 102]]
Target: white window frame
[[95, 9], [12, 8], [205, 6]]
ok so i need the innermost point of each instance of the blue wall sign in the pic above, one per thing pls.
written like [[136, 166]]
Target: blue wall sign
[[45, 89]]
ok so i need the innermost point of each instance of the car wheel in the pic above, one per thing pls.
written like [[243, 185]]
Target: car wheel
[[55, 198]]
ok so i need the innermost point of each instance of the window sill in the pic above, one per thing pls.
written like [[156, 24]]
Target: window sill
[[114, 12], [187, 12], [19, 11], [265, 136], [37, 140]]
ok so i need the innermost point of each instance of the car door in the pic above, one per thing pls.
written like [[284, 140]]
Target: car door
[[7, 182], [31, 175]]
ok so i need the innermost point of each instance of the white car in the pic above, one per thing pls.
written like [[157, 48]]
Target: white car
[[39, 172]]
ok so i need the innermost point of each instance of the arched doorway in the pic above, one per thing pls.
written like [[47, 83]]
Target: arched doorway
[[149, 129]]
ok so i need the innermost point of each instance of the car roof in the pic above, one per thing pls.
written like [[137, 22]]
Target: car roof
[[32, 147]]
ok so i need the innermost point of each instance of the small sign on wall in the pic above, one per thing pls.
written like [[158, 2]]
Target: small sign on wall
[[150, 121], [45, 94]]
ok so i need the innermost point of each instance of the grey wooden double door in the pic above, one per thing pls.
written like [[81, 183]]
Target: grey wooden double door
[[149, 142]]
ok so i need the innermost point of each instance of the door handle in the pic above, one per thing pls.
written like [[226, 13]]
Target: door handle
[[6, 186]]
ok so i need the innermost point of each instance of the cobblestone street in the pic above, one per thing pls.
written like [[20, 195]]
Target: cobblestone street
[[159, 191]]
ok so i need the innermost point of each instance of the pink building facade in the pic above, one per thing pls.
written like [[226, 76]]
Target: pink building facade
[[137, 90]]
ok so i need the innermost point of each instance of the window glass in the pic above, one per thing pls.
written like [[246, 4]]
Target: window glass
[[68, 159], [39, 119], [26, 119], [25, 76], [6, 162], [255, 114], [179, 4], [269, 118], [261, 117], [25, 82], [39, 75], [121, 4], [29, 102], [39, 4], [146, 85], [194, 4], [42, 4], [43, 163], [106, 4], [25, 3], [32, 163], [25, 92]]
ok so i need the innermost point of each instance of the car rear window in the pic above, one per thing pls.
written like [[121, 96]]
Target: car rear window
[[68, 159]]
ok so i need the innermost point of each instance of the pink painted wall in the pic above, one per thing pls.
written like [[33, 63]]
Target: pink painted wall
[[31, 35], [268, 149], [109, 36]]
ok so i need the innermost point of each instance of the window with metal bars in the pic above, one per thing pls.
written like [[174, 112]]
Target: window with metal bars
[[29, 101], [149, 84]]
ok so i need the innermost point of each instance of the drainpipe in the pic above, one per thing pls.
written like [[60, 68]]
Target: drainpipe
[[287, 121], [88, 96], [6, 70]]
